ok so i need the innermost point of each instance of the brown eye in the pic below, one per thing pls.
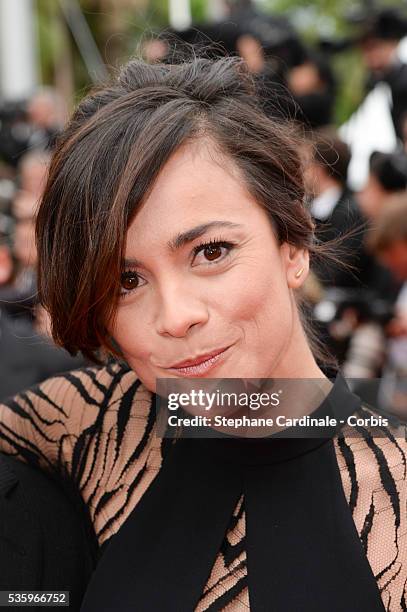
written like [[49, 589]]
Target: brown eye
[[212, 252], [129, 281]]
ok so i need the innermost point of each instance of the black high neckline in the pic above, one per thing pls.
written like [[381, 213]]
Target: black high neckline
[[303, 549], [285, 445]]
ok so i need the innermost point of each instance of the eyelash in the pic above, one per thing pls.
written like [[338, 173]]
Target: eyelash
[[218, 242]]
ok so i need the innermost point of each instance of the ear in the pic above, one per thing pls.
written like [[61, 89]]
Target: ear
[[295, 262]]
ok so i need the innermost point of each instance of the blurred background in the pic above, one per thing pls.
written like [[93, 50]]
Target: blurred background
[[336, 67]]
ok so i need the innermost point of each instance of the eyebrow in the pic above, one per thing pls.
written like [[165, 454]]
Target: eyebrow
[[190, 235]]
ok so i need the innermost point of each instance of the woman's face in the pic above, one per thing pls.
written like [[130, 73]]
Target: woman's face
[[205, 276]]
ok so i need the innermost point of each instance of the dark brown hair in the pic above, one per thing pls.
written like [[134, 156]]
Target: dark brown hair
[[106, 162]]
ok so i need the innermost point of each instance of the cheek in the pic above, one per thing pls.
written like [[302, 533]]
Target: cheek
[[260, 315], [260, 302], [132, 332]]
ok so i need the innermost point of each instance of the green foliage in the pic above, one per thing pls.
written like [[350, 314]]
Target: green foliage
[[48, 39], [198, 10], [158, 14], [351, 77], [323, 11]]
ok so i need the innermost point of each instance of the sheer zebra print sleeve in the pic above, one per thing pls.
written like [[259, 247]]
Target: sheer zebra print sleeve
[[55, 424], [95, 427], [33, 424]]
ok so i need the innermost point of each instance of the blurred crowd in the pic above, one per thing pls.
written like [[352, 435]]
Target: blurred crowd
[[358, 304], [27, 135]]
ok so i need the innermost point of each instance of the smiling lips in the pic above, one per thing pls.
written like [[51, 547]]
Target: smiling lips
[[200, 365]]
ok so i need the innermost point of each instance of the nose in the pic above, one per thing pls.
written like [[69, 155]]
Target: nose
[[178, 311]]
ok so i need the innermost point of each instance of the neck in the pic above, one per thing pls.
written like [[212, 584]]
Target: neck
[[297, 360]]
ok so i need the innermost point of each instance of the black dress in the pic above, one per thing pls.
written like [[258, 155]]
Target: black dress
[[276, 524]]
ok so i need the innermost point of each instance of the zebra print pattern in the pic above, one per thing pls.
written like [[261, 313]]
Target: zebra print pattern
[[97, 427]]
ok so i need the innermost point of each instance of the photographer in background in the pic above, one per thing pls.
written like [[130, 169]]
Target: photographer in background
[[389, 242], [313, 86], [33, 172], [336, 212], [387, 177], [19, 296], [378, 40], [358, 297], [46, 113], [30, 124], [27, 354]]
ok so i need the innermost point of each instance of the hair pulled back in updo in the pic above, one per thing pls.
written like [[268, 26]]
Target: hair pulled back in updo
[[106, 162]]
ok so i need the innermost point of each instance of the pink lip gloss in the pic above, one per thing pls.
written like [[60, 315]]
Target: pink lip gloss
[[201, 368]]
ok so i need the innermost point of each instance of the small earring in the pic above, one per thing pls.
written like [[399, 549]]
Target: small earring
[[298, 274]]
